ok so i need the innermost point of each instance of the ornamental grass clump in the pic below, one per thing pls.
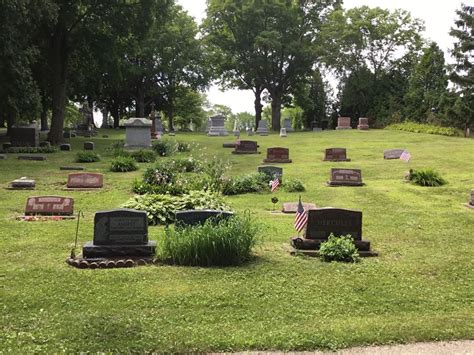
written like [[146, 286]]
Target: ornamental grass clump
[[224, 243], [87, 157], [144, 156], [123, 164], [426, 177], [339, 249]]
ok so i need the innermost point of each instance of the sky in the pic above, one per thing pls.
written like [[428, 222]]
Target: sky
[[438, 16]]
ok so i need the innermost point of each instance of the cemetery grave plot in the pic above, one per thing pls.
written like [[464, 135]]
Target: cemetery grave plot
[[48, 208], [345, 177], [277, 155], [245, 147], [84, 181]]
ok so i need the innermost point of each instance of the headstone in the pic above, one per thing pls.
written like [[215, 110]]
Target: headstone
[[65, 147], [392, 153], [345, 177], [278, 155], [324, 221], [6, 146], [3, 156], [88, 145], [32, 157], [71, 168], [315, 127], [195, 217], [138, 133], [245, 147], [262, 128], [85, 181], [118, 233], [67, 134], [228, 145], [83, 130], [283, 132], [335, 154], [49, 205], [344, 123], [287, 125], [292, 207], [24, 136], [23, 183], [363, 123], [217, 127], [271, 171], [45, 144]]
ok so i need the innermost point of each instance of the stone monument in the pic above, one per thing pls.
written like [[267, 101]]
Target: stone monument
[[287, 124], [262, 128], [335, 154], [277, 155], [245, 147], [25, 136], [137, 133], [363, 123], [49, 206], [345, 177], [283, 132], [344, 123], [85, 181], [217, 127], [22, 183]]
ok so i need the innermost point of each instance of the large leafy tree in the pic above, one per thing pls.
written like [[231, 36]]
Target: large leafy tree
[[463, 74], [428, 84]]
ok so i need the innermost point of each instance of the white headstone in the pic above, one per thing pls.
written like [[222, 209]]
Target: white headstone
[[283, 132], [138, 133]]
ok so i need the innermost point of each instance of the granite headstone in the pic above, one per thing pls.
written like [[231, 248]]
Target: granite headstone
[[345, 177], [277, 155]]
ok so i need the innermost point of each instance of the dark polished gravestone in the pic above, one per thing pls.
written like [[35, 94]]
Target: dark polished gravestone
[[120, 233], [343, 123], [292, 207], [49, 206], [335, 154], [88, 145], [31, 157], [271, 171], [22, 183], [196, 217], [65, 147], [24, 136], [85, 181], [345, 177], [392, 153], [245, 147], [324, 221], [278, 155]]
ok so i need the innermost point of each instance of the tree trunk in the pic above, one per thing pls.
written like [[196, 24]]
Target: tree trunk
[[140, 100], [258, 105], [170, 119], [44, 113], [276, 113], [59, 61]]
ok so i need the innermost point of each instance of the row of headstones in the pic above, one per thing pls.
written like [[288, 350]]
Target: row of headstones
[[81, 181]]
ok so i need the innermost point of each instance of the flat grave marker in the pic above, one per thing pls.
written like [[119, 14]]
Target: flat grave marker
[[392, 153], [245, 147], [335, 154], [22, 183], [85, 181], [345, 177], [292, 207], [49, 207]]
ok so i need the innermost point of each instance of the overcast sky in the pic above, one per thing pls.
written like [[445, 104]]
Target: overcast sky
[[438, 16]]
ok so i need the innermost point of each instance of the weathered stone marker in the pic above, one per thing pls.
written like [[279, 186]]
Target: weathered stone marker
[[137, 133], [271, 171], [24, 136], [278, 155], [65, 147], [85, 180], [262, 128], [335, 154], [120, 233], [345, 177], [324, 221], [195, 217], [363, 123], [217, 126], [22, 183], [283, 132], [49, 205], [344, 123], [245, 147], [292, 207], [392, 153], [287, 125], [88, 145]]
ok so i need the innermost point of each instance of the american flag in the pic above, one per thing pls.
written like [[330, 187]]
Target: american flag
[[237, 142], [301, 217], [274, 184], [405, 156]]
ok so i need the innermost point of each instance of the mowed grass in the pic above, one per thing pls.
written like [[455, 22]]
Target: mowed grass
[[420, 288]]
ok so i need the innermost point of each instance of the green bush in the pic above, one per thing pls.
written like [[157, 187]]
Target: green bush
[[228, 242], [426, 177], [409, 126], [183, 147], [87, 157], [144, 156], [165, 147], [31, 150], [123, 164], [293, 185], [339, 249], [254, 182], [160, 209]]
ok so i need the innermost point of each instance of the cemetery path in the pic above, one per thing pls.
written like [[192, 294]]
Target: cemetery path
[[462, 347]]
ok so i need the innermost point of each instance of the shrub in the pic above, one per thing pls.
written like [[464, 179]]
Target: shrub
[[426, 177], [144, 156], [165, 147], [228, 242], [214, 170], [339, 249], [293, 185], [31, 150], [254, 182], [409, 126], [120, 152], [123, 164], [87, 157], [160, 209], [183, 147]]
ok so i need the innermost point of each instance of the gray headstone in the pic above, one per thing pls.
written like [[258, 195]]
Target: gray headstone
[[24, 136], [217, 127], [283, 132], [392, 153], [262, 128], [65, 147], [23, 183], [138, 133], [335, 154], [88, 145], [271, 171], [287, 125], [194, 217], [277, 155]]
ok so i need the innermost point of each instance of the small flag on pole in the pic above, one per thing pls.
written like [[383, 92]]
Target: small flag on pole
[[274, 184], [301, 217], [405, 156], [237, 142]]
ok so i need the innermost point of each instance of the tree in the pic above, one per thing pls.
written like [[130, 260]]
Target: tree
[[428, 84], [463, 74], [311, 97], [189, 108]]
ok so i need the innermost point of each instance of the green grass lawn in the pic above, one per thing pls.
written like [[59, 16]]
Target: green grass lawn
[[420, 288]]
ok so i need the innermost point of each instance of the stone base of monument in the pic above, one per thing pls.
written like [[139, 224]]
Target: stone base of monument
[[109, 263], [336, 160], [345, 183], [363, 127], [468, 205], [91, 250], [19, 188], [244, 152], [84, 189], [311, 247], [228, 145], [270, 161], [43, 218]]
